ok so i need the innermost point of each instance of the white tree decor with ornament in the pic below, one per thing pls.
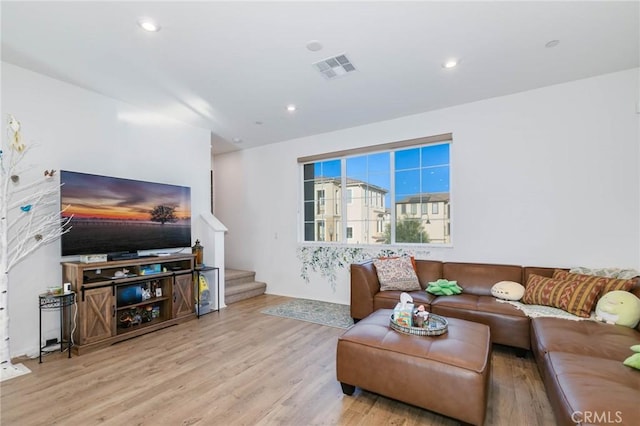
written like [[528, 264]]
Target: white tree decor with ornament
[[29, 219]]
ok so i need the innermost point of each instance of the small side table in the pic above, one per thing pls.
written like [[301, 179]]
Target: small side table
[[61, 302], [199, 271]]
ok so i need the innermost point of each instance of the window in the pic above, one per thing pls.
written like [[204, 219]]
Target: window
[[320, 199], [320, 179], [321, 231], [373, 190]]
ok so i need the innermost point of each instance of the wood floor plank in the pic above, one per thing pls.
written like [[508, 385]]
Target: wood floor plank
[[238, 367]]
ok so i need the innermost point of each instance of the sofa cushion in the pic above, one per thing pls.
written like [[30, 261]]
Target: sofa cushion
[[396, 274], [579, 386], [477, 303], [590, 338], [569, 295], [478, 278], [509, 325], [608, 284], [428, 270]]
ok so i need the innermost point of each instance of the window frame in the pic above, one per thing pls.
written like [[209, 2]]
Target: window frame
[[342, 156]]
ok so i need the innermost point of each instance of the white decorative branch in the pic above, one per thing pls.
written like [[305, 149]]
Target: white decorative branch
[[26, 224]]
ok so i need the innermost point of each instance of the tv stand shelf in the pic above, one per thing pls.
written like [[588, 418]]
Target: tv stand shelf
[[121, 299]]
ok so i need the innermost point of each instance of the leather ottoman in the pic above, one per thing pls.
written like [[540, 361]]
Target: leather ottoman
[[448, 374]]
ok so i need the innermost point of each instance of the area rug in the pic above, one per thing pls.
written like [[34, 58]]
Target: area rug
[[325, 313]]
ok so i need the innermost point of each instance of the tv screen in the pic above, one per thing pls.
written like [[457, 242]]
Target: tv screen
[[111, 215]]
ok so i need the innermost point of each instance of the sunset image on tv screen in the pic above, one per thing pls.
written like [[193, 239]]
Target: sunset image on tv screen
[[110, 214]]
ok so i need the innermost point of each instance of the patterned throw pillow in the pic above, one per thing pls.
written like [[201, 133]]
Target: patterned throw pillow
[[569, 295], [396, 274], [608, 284], [413, 261]]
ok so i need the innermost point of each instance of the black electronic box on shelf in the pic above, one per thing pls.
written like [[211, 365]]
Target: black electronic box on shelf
[[122, 255]]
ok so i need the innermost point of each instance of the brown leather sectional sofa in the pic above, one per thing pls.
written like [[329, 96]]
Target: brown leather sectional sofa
[[580, 361]]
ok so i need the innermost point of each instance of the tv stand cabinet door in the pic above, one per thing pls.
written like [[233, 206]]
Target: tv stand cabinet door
[[96, 315], [183, 303]]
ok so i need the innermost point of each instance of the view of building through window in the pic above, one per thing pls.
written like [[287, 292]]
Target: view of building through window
[[397, 196]]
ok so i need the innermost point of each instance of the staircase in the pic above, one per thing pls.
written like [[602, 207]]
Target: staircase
[[240, 285]]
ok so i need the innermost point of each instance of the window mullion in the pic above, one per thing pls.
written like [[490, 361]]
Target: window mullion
[[392, 198], [343, 207]]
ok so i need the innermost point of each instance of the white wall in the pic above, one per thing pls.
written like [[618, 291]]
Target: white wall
[[79, 130], [548, 177]]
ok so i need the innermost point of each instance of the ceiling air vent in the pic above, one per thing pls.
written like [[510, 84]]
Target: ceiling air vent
[[334, 67]]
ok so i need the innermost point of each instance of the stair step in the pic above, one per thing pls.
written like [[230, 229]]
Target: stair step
[[240, 285], [233, 277], [242, 291]]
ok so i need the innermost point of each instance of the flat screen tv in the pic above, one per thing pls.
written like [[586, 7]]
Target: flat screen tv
[[112, 215]]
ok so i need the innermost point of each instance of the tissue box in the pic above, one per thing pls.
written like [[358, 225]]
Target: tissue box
[[403, 315]]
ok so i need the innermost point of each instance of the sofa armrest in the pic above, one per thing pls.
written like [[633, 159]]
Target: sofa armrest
[[364, 285]]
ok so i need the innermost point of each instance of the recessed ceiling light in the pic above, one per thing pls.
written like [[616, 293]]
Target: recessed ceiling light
[[552, 43], [149, 25], [314, 45], [291, 108], [237, 140], [451, 63]]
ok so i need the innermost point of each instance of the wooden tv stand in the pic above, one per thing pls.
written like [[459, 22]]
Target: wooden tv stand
[[113, 302]]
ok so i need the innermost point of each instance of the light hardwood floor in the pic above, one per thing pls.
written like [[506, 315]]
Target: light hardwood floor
[[238, 367]]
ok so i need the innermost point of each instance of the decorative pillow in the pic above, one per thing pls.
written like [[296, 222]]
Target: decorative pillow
[[619, 307], [396, 274], [608, 284], [413, 261], [444, 287], [634, 360], [569, 295], [507, 290]]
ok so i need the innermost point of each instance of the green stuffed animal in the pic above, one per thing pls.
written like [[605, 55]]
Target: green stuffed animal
[[619, 307], [444, 287], [634, 360]]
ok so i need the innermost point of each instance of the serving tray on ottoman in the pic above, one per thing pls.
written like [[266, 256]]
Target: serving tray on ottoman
[[435, 326], [430, 372]]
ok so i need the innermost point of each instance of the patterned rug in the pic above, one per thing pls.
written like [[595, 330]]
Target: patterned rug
[[324, 313]]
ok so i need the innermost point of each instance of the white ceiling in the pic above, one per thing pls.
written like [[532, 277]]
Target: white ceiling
[[225, 66]]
